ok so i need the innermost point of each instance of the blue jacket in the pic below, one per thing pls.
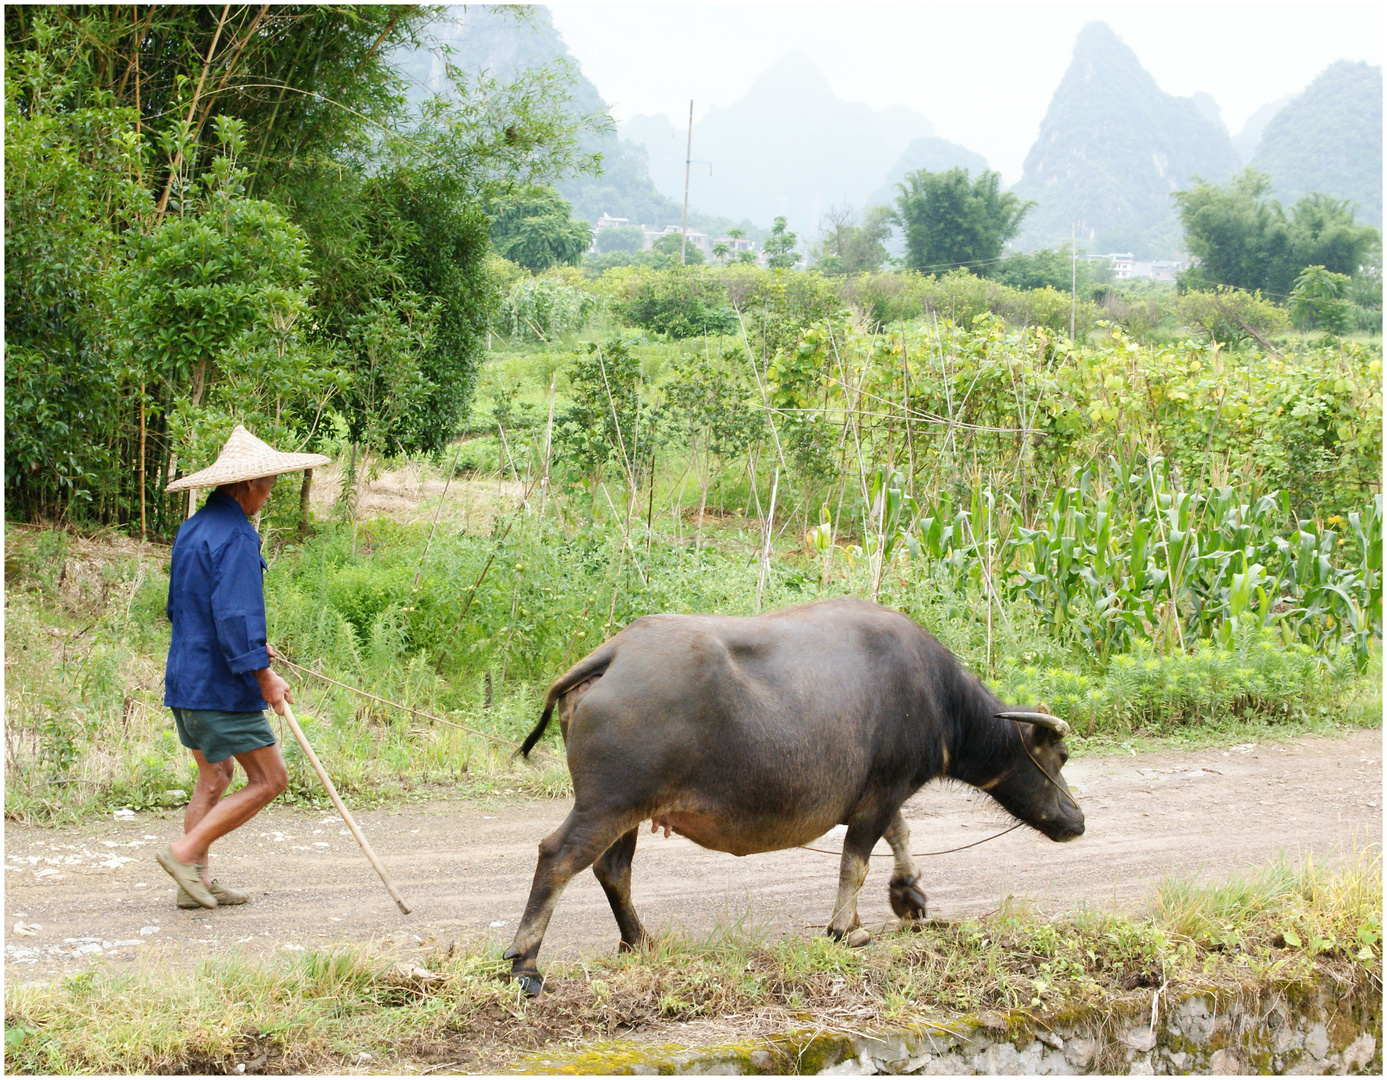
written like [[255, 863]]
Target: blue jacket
[[217, 608]]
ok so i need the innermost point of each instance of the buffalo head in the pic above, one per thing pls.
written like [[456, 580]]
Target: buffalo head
[[1031, 787]]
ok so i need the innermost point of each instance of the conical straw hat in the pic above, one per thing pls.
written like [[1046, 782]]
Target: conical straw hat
[[244, 457]]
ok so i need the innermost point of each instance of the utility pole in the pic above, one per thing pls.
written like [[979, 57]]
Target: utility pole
[[688, 160], [1073, 278]]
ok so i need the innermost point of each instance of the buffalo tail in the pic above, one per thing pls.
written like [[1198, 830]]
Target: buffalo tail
[[590, 667]]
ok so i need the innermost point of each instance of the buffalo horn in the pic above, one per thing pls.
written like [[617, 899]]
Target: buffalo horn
[[1040, 719]]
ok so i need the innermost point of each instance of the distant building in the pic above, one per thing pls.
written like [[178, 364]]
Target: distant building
[[606, 221], [1125, 265], [735, 243], [696, 239]]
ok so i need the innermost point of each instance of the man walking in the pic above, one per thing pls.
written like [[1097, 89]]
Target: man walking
[[218, 680]]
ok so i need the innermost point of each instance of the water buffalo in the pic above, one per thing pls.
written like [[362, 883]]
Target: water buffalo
[[756, 734]]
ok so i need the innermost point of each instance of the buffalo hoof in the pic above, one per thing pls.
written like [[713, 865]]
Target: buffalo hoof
[[532, 982], [908, 900], [856, 939]]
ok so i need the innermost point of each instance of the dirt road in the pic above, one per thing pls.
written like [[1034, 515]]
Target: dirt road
[[97, 896]]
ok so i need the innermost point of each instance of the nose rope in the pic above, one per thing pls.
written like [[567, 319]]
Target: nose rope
[[1045, 774], [921, 854]]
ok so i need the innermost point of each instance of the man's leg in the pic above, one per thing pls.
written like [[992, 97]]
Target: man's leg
[[212, 781], [266, 777]]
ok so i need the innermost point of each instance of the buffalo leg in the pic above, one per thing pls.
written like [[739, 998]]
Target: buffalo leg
[[857, 850], [613, 870], [568, 850], [907, 898]]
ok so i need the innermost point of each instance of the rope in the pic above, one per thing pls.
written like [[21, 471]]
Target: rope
[[923, 854], [406, 708]]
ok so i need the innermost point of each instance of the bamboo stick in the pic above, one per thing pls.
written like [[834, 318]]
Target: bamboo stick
[[341, 808]]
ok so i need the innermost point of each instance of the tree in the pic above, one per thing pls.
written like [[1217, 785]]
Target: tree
[[950, 221], [619, 238], [1041, 269], [1244, 239], [849, 248], [1320, 300], [746, 257], [533, 228], [670, 250], [780, 246], [115, 117]]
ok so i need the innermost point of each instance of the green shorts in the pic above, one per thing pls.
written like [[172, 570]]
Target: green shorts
[[220, 734]]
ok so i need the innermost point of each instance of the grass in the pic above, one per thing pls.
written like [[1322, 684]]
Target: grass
[[86, 636], [1289, 929]]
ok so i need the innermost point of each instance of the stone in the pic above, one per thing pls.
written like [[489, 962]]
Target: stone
[[1050, 1039], [1359, 1053], [851, 1067], [1317, 1041], [1142, 1066], [1225, 1063], [1195, 1019], [761, 1060], [1141, 1039], [1001, 1059], [1178, 1059], [1080, 1052]]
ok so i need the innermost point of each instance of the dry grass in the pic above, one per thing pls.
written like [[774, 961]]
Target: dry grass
[[319, 1012]]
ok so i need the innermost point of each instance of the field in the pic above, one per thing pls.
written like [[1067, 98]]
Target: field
[[1124, 531]]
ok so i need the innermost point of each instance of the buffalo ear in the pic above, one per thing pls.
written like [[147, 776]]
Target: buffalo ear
[[1058, 728]]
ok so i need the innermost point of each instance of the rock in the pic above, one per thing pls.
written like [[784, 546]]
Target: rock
[[1178, 1059], [851, 1067], [1141, 1039], [1317, 1041], [1142, 1067], [1080, 1052], [1195, 1019], [858, 938], [1359, 1053], [761, 1060], [992, 1020], [1050, 1039], [1225, 1063], [22, 929]]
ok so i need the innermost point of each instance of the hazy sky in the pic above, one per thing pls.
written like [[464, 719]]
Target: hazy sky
[[983, 74]]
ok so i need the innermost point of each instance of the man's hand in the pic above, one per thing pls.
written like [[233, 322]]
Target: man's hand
[[273, 689], [273, 656]]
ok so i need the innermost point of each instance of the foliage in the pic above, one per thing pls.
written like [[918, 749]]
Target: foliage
[[1246, 240], [533, 228], [620, 238], [1056, 270], [1228, 315], [607, 421], [1145, 561], [961, 297], [210, 310], [671, 250], [72, 189], [952, 222], [1320, 300], [544, 309], [679, 302], [851, 248], [779, 246], [118, 120]]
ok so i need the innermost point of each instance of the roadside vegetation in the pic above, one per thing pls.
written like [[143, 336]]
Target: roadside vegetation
[[1286, 930]]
